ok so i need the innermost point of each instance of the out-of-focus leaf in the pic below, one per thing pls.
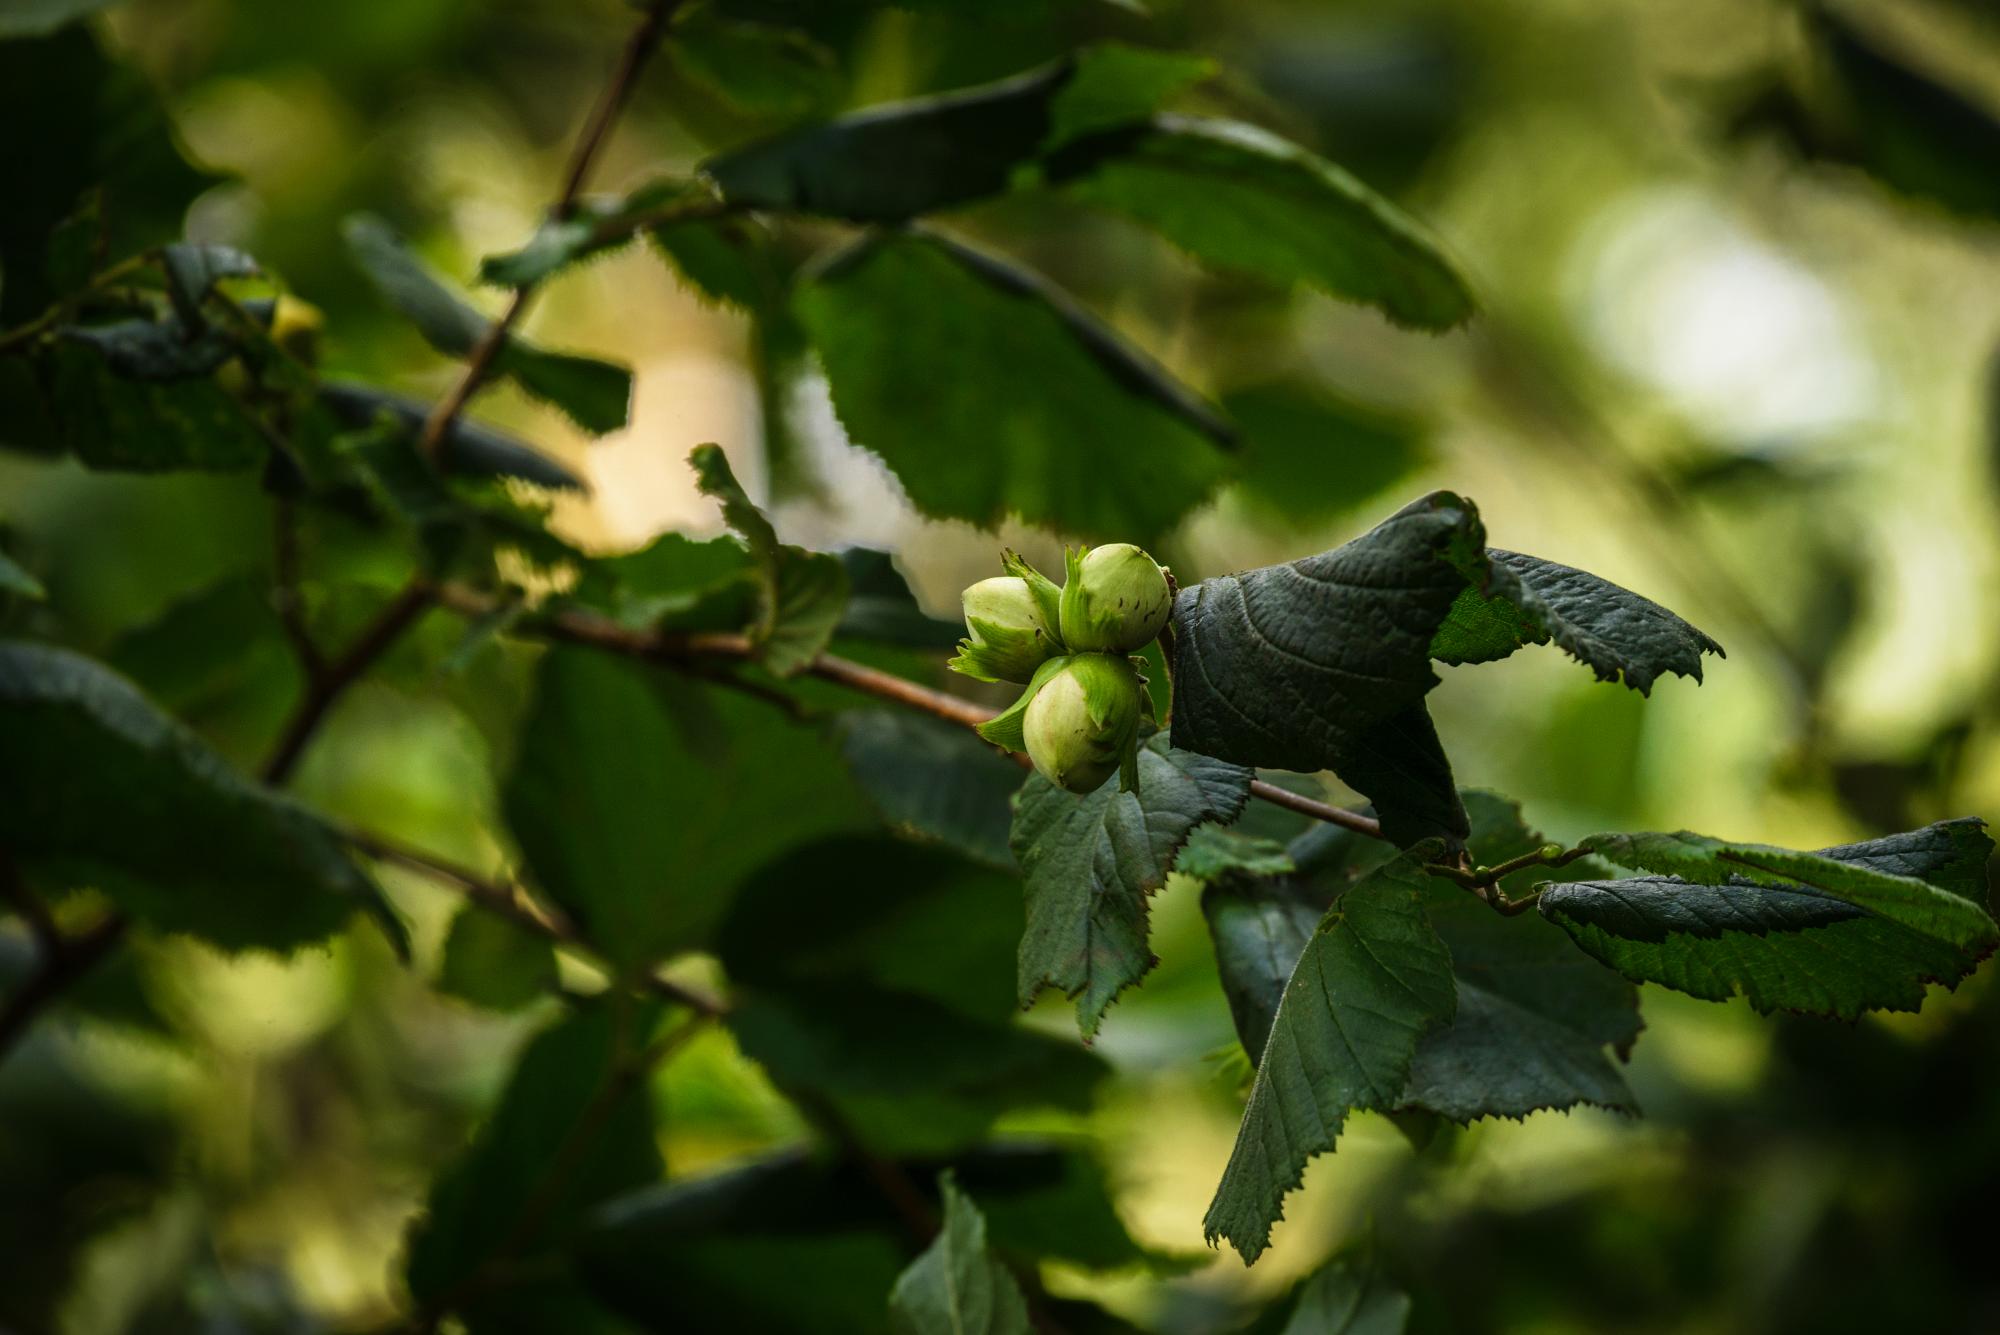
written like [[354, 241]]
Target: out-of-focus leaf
[[933, 780], [673, 582], [19, 582], [1612, 631], [470, 449], [891, 163], [700, 1253], [198, 847], [872, 911], [194, 270], [880, 606], [757, 69], [641, 799], [39, 18], [1309, 456], [902, 1073], [801, 595], [112, 422], [572, 1129], [494, 963], [1107, 444], [594, 394], [1849, 929], [1091, 863], [1348, 1296], [1373, 979], [1244, 199], [155, 349], [957, 1287], [112, 134]]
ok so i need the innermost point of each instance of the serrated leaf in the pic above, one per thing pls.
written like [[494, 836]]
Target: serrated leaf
[[906, 1074], [1370, 983], [113, 422], [640, 799], [470, 448], [1213, 851], [503, 1199], [1244, 199], [495, 963], [700, 1252], [932, 780], [1348, 1296], [199, 848], [155, 349], [895, 311], [1849, 929], [801, 595], [594, 394], [1091, 863], [1613, 631], [958, 1287], [891, 163]]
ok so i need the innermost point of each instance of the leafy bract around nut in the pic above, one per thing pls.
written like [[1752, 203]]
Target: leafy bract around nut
[[1009, 637], [1082, 726], [1115, 599]]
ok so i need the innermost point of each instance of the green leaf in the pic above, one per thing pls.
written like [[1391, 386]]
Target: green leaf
[[192, 272], [1213, 851], [903, 1073], [571, 1129], [1310, 456], [1371, 982], [590, 228], [674, 582], [39, 18], [198, 847], [470, 448], [892, 163], [594, 394], [932, 780], [1348, 1296], [154, 349], [957, 1287], [880, 606], [110, 421], [1091, 862], [1105, 444], [19, 582], [801, 595], [112, 134], [699, 1254], [495, 963], [756, 69], [640, 799], [1243, 199], [1613, 631], [1848, 929]]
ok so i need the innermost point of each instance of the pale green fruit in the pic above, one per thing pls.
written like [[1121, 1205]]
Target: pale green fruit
[[1115, 601], [1010, 635], [1083, 723]]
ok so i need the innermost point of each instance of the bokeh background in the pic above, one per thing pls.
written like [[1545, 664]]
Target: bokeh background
[[1715, 363]]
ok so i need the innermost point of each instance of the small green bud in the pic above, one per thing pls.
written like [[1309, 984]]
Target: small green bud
[[1115, 600], [1010, 636], [1082, 726]]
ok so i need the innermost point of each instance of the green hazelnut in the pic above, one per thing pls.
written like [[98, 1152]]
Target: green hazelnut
[[1082, 725], [1116, 599], [1010, 635]]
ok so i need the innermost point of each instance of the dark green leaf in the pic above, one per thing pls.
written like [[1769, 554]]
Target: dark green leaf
[[495, 963], [193, 271], [1371, 982], [39, 18], [155, 349], [1348, 1296], [801, 595], [594, 394], [590, 228], [112, 422], [641, 799], [572, 1128], [1213, 851], [1310, 456], [1106, 444], [727, 260], [197, 847], [933, 780], [112, 134], [880, 606], [675, 582], [957, 1287], [1849, 929], [1613, 631], [1244, 199], [757, 69], [1115, 85], [902, 1073], [471, 450], [1091, 862], [19, 582]]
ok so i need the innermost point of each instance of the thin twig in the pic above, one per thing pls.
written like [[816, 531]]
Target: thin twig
[[325, 687], [596, 131], [62, 963], [285, 595]]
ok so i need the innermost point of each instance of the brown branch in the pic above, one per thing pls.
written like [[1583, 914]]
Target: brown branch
[[63, 961], [595, 132], [325, 687]]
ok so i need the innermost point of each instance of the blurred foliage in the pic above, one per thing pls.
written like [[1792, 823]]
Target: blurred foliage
[[1736, 271]]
